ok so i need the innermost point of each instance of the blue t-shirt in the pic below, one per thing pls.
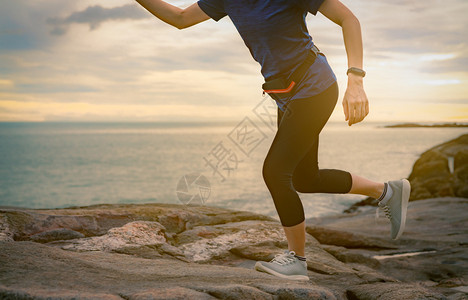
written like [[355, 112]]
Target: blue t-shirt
[[275, 32]]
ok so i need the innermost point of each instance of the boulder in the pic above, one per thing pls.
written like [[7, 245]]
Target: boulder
[[441, 171]]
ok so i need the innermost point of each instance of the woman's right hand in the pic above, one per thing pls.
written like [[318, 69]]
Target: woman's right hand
[[355, 102]]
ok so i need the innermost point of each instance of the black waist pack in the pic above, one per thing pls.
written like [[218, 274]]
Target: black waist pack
[[284, 87]]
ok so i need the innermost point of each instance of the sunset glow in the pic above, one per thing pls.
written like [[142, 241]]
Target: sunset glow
[[113, 61]]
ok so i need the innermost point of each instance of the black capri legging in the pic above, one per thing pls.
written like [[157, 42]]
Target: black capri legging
[[291, 164]]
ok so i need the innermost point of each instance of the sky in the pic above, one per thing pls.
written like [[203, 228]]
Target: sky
[[110, 60]]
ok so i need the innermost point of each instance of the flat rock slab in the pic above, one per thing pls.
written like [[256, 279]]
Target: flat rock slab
[[433, 248], [154, 251], [430, 221], [33, 270], [392, 292], [22, 223]]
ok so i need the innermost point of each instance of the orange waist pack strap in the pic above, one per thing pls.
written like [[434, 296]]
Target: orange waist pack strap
[[281, 88], [278, 88]]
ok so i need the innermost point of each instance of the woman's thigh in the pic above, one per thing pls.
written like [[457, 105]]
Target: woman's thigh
[[297, 138]]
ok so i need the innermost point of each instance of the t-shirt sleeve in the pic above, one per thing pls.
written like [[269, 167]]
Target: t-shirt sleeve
[[311, 6], [213, 8]]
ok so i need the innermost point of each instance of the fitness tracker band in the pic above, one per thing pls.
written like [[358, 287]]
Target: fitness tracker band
[[357, 71]]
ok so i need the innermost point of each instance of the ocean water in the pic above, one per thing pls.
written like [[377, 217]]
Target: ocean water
[[54, 165]]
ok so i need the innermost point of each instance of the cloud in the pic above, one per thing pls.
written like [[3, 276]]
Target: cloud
[[413, 51], [21, 25], [6, 83], [95, 15], [456, 64], [412, 26]]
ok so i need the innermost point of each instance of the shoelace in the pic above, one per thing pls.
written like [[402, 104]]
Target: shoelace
[[386, 209], [284, 259]]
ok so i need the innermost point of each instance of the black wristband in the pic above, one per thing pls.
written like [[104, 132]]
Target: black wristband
[[357, 71]]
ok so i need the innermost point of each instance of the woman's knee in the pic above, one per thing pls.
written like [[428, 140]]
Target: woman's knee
[[268, 171], [273, 173], [300, 186], [306, 183], [324, 181]]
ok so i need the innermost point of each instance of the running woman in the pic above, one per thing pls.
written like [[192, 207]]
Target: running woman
[[299, 78]]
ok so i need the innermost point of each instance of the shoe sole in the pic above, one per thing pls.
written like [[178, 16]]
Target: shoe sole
[[405, 194], [261, 268]]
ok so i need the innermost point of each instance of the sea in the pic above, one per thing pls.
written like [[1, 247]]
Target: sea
[[65, 164]]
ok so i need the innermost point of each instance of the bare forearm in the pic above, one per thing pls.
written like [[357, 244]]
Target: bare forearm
[[353, 41], [355, 103], [164, 11], [335, 11]]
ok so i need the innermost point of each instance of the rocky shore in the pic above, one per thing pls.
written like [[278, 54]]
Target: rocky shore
[[441, 171], [161, 251]]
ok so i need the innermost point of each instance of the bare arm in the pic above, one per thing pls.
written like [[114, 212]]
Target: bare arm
[[175, 16], [355, 103]]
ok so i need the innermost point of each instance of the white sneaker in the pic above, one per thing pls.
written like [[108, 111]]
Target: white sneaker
[[285, 265], [395, 208]]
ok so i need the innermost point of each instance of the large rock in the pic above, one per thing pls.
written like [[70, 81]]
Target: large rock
[[441, 171]]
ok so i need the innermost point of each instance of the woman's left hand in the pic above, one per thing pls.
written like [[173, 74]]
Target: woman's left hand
[[355, 103]]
